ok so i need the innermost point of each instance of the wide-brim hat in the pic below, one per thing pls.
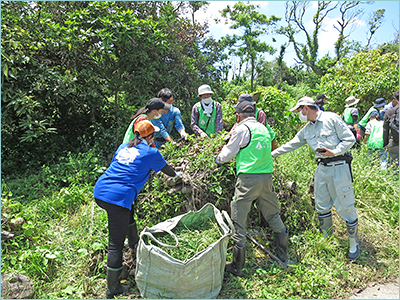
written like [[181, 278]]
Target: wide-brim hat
[[204, 89], [146, 128], [380, 102], [350, 101], [303, 101]]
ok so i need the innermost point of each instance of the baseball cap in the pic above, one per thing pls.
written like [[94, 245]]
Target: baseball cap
[[146, 128], [245, 106], [303, 101], [246, 97], [157, 103]]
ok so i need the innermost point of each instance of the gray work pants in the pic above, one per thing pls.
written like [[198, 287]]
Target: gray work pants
[[258, 188], [332, 185]]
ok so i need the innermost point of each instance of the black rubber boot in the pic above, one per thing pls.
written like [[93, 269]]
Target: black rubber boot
[[281, 240], [325, 221], [352, 231], [238, 259], [114, 286]]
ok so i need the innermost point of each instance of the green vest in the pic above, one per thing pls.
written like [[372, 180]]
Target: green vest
[[375, 138], [257, 111], [206, 123], [347, 117], [256, 156], [365, 119], [129, 134]]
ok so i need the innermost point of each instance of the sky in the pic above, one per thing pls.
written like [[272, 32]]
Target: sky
[[327, 38]]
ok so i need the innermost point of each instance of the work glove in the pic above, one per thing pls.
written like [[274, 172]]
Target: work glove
[[203, 135], [184, 135], [178, 177], [358, 135]]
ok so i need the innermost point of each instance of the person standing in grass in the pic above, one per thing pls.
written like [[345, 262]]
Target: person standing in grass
[[374, 138], [117, 190], [251, 143], [329, 137], [391, 130], [350, 117], [168, 120], [379, 103], [153, 110], [206, 114]]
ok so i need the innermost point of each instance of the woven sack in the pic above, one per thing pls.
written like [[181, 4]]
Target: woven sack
[[159, 275]]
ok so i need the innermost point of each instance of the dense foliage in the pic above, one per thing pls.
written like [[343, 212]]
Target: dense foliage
[[366, 75]]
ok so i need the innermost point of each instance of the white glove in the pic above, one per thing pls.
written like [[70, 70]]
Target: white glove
[[184, 135], [178, 175], [203, 135]]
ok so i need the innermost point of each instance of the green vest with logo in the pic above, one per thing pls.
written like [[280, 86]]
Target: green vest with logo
[[256, 156], [375, 138], [129, 134], [347, 117], [206, 123], [365, 119]]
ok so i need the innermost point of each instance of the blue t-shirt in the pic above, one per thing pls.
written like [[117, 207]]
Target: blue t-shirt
[[166, 122], [127, 174]]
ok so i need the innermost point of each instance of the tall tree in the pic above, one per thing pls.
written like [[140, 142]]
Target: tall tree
[[375, 22], [307, 53], [252, 25]]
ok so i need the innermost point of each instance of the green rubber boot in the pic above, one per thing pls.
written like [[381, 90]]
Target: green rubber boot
[[325, 221], [114, 286]]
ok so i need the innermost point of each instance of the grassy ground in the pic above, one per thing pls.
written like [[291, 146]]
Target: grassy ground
[[62, 246]]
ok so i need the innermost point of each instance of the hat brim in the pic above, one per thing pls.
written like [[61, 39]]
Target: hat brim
[[380, 105], [210, 92], [295, 108], [354, 103]]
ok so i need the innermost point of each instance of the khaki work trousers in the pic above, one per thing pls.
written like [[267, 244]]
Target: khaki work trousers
[[258, 188]]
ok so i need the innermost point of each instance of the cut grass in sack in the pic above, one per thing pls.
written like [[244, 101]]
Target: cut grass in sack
[[184, 257]]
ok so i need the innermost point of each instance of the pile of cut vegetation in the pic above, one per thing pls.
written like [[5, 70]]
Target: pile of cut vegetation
[[192, 239], [206, 182]]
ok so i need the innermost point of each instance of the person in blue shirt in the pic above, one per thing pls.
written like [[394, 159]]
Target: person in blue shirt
[[168, 120], [321, 99], [118, 188]]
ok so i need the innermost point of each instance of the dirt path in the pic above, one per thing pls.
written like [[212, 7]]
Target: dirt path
[[379, 291]]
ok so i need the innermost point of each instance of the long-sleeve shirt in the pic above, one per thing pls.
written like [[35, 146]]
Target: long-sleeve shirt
[[240, 138], [329, 131], [167, 122], [194, 124]]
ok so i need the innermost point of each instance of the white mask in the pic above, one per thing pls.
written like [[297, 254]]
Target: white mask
[[207, 101], [302, 117], [157, 116]]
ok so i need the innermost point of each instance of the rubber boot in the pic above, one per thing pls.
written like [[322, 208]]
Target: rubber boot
[[238, 259], [281, 240], [114, 286], [352, 231], [325, 221]]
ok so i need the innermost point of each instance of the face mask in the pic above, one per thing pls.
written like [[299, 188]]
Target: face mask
[[157, 116], [207, 100], [302, 117]]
